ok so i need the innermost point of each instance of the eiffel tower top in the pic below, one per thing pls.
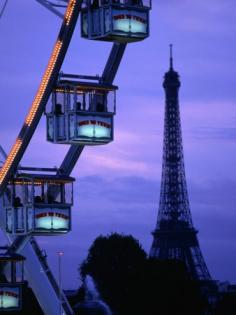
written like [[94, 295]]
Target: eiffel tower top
[[174, 209], [171, 78]]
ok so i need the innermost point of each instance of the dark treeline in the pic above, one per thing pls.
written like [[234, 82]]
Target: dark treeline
[[131, 283]]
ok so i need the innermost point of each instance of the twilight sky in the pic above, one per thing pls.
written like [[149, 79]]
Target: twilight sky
[[117, 187]]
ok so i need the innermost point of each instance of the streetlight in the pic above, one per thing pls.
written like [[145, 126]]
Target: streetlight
[[60, 254]]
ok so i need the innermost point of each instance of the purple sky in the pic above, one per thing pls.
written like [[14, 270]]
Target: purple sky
[[118, 185]]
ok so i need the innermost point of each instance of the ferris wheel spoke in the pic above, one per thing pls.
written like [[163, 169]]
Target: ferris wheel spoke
[[52, 6]]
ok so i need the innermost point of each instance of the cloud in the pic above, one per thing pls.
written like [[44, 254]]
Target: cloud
[[220, 134], [199, 16], [208, 120], [216, 194], [119, 191]]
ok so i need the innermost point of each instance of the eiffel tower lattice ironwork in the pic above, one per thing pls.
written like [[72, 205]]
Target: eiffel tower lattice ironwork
[[175, 236]]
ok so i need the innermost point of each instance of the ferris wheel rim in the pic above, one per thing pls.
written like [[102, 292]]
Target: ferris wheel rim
[[26, 133], [74, 152]]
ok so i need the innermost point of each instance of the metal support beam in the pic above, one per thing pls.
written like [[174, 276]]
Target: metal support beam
[[51, 8], [70, 159], [113, 62], [37, 169], [78, 76]]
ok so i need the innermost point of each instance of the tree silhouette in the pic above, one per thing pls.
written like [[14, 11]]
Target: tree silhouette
[[133, 284], [227, 305]]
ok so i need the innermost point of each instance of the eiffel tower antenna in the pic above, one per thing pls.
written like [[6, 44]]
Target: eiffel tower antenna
[[171, 57]]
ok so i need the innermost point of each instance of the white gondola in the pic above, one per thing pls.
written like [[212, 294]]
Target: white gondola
[[81, 113], [11, 282], [39, 204], [115, 20]]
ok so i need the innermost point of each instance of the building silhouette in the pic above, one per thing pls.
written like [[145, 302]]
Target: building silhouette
[[175, 236]]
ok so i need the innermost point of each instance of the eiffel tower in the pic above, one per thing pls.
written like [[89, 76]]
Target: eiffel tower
[[175, 236]]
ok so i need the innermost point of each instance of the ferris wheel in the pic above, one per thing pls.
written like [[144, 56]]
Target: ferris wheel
[[79, 110]]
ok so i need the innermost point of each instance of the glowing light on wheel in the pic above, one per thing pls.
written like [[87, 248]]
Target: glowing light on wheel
[[44, 83], [10, 159], [39, 95], [69, 11]]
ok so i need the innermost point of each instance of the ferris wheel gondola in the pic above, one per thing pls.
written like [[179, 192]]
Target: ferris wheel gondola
[[123, 21], [11, 282], [38, 204], [80, 112]]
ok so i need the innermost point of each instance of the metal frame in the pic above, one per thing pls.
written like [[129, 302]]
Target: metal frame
[[67, 85], [40, 278], [52, 6]]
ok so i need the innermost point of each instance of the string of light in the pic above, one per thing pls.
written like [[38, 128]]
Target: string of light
[[39, 95]]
